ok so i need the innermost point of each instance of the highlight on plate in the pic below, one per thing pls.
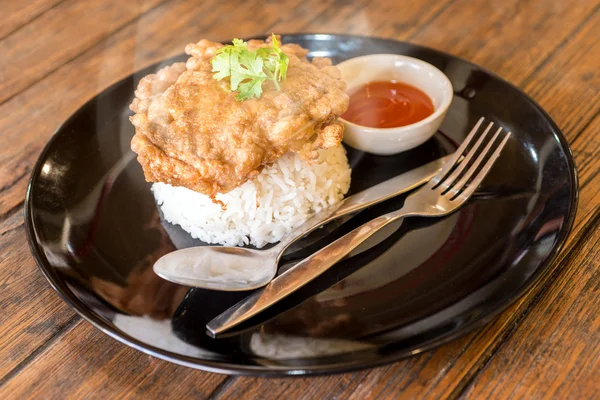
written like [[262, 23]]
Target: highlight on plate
[[242, 142]]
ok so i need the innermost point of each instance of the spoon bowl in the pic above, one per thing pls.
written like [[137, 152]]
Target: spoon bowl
[[219, 267]]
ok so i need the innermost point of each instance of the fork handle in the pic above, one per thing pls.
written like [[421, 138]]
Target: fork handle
[[298, 276]]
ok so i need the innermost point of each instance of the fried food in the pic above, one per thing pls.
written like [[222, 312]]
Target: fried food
[[192, 132]]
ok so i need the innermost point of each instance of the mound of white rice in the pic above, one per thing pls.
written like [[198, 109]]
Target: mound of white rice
[[265, 209]]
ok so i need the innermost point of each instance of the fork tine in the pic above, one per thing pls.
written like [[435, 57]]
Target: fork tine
[[457, 186], [445, 184], [486, 168], [457, 155]]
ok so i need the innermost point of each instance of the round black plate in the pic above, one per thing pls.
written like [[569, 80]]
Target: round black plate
[[95, 232]]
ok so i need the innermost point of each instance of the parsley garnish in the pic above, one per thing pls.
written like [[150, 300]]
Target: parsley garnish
[[247, 70]]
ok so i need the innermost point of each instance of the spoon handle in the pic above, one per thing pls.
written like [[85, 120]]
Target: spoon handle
[[361, 200]]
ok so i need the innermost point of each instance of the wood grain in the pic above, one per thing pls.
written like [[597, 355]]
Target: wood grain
[[109, 369], [417, 377], [511, 38], [555, 352], [570, 294], [586, 150], [570, 86], [547, 47], [562, 331], [361, 17], [15, 14], [56, 37], [31, 313]]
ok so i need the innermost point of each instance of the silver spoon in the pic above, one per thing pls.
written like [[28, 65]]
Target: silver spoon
[[238, 268]]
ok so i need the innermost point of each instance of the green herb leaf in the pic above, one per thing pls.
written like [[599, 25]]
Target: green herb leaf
[[250, 89], [248, 70], [221, 62]]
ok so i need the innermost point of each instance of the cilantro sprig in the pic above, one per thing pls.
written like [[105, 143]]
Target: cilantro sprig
[[248, 70]]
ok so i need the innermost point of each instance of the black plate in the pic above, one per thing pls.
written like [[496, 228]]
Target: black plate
[[95, 231]]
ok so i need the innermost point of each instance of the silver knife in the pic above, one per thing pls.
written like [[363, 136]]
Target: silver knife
[[313, 266]]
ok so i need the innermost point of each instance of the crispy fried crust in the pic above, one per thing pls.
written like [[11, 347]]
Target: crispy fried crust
[[191, 132]]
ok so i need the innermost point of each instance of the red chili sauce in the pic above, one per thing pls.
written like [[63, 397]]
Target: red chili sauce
[[387, 104]]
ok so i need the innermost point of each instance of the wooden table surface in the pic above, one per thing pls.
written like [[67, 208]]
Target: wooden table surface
[[56, 54]]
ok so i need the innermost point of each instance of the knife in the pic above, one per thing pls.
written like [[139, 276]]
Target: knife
[[316, 264]]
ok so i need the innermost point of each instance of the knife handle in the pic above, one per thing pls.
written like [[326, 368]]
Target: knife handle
[[301, 274]]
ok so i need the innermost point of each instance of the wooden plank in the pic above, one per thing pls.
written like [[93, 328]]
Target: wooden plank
[[57, 36], [555, 352], [31, 313], [422, 376], [18, 13], [569, 90], [22, 129], [109, 371], [562, 331], [509, 37], [379, 18], [577, 88], [586, 149]]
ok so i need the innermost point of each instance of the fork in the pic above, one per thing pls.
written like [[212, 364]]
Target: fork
[[443, 194]]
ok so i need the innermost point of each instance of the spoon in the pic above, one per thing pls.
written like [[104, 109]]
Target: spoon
[[237, 268]]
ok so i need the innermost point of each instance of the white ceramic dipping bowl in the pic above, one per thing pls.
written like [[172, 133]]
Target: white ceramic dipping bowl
[[384, 67]]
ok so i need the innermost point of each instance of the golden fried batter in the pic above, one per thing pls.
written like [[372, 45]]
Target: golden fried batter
[[192, 132]]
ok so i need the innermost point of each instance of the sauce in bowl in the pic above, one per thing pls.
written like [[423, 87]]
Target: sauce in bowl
[[387, 104]]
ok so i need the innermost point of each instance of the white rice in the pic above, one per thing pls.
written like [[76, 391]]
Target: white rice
[[287, 192]]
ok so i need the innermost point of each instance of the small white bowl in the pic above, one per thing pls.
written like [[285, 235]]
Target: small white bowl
[[384, 67]]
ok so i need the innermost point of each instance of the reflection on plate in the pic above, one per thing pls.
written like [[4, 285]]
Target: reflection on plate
[[282, 347], [157, 333], [415, 248]]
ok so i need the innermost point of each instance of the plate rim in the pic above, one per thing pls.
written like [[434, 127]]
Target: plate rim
[[314, 370]]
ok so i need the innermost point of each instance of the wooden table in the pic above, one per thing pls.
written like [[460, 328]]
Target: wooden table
[[56, 54]]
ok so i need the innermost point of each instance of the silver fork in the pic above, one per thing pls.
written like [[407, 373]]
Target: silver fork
[[442, 195]]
